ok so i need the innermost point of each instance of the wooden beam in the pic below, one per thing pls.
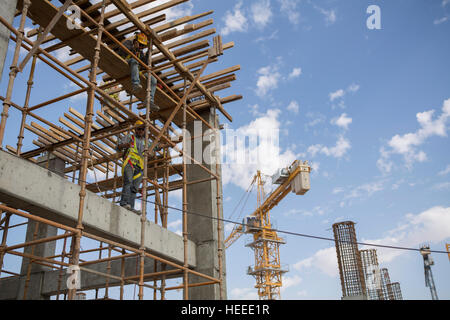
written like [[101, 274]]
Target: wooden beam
[[124, 7]]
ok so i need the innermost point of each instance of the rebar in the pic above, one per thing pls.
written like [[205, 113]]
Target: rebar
[[349, 260]]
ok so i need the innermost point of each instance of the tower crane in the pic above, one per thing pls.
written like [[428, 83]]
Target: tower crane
[[266, 242], [427, 263]]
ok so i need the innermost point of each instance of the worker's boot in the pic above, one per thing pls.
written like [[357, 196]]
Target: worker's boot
[[136, 87], [154, 107]]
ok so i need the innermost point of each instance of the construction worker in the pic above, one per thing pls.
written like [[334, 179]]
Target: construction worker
[[133, 164], [137, 45]]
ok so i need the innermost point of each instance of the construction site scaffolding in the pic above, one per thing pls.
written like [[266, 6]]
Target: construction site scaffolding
[[85, 145]]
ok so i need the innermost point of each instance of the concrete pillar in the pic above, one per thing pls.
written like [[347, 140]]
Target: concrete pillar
[[7, 10], [202, 199], [46, 249]]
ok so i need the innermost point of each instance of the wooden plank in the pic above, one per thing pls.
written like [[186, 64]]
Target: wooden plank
[[143, 14], [123, 6], [42, 12], [212, 75], [182, 51], [192, 57], [199, 105], [51, 138], [80, 131], [181, 21]]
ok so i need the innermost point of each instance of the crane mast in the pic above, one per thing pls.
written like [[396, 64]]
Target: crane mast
[[427, 263], [266, 242]]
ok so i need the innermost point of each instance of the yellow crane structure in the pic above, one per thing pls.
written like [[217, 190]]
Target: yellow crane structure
[[266, 242], [447, 245]]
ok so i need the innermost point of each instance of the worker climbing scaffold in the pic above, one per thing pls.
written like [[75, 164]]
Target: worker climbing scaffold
[[136, 45], [133, 146]]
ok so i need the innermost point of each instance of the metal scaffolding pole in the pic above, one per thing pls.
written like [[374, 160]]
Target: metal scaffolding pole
[[14, 70], [86, 146], [97, 141]]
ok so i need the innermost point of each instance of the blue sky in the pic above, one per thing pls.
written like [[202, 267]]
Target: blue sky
[[370, 109], [349, 100]]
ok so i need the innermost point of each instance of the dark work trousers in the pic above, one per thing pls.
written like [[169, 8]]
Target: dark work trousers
[[135, 80], [132, 179]]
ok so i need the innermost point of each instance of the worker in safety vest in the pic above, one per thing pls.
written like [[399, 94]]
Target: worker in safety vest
[[137, 44], [133, 164]]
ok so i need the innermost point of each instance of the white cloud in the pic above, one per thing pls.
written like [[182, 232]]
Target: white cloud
[[261, 13], [353, 87], [288, 282], [365, 190], [235, 21], [360, 192], [316, 211], [384, 163], [293, 106], [175, 224], [254, 110], [242, 160], [272, 36], [181, 10], [244, 294], [324, 260], [267, 80], [289, 7], [445, 171], [296, 72], [445, 2], [63, 54], [330, 15], [441, 20], [229, 227], [407, 144], [338, 151], [337, 94], [430, 226], [95, 175], [315, 167], [70, 87], [343, 121], [316, 118], [302, 293], [337, 190], [442, 186]]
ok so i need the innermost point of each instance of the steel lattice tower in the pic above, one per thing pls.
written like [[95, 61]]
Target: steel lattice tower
[[427, 263], [349, 261], [396, 291], [386, 285], [266, 246], [372, 274]]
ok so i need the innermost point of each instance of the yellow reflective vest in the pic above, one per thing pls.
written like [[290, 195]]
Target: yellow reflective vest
[[132, 156]]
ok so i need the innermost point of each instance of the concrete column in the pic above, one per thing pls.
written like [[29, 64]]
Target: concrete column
[[202, 199], [7, 10], [56, 165]]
